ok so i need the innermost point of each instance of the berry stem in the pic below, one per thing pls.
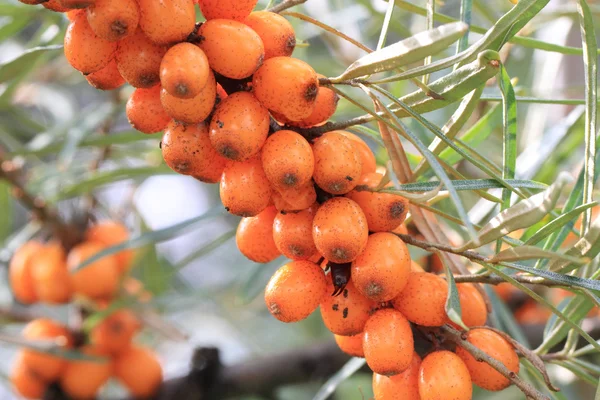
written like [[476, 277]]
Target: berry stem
[[285, 5]]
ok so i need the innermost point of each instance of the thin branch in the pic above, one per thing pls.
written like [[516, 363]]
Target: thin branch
[[285, 5], [496, 280]]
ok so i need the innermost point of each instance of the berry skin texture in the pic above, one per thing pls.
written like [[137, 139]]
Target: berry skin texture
[[423, 299], [187, 150], [70, 4], [292, 233], [340, 230], [108, 78], [112, 233], [288, 160], [287, 86], [139, 371], [114, 334], [26, 382], [494, 345], [403, 386], [239, 127], [19, 272], [472, 304], [254, 237], [85, 51], [276, 32], [384, 211], [50, 275], [388, 343], [443, 375], [351, 345], [245, 190], [55, 5], [194, 110], [184, 70], [368, 162], [45, 366], [113, 19], [138, 60], [347, 313], [292, 199], [382, 270], [295, 291], [99, 279], [82, 379], [233, 49], [337, 163], [227, 9], [145, 111], [167, 21]]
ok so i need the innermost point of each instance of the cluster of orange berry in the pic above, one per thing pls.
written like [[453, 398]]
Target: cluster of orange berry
[[42, 272]]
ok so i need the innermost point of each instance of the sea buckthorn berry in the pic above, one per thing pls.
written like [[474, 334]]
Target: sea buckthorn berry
[[245, 189], [113, 19], [239, 127], [138, 60], [472, 304], [495, 346], [167, 21], [71, 15], [415, 267], [139, 371], [384, 211], [184, 70], [382, 270], [70, 4], [388, 343], [227, 9], [108, 78], [337, 163], [325, 107], [187, 150], [443, 375], [19, 272], [145, 111], [233, 49], [347, 313], [32, 2], [292, 233], [295, 291], [340, 230], [351, 345], [112, 233], [194, 110], [27, 383], [114, 334], [254, 236], [288, 160], [276, 32], [423, 299], [85, 51], [295, 199], [47, 367], [50, 275], [98, 279], [82, 378], [403, 386], [55, 5], [368, 162]]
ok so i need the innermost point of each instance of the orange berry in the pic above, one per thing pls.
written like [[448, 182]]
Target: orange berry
[[287, 86], [71, 15], [495, 346], [295, 291], [187, 150], [351, 345], [83, 379], [292, 233], [227, 9], [254, 237], [233, 49], [167, 21], [114, 334], [50, 275], [276, 33], [388, 343], [239, 127], [69, 4], [337, 163], [443, 375], [245, 189], [295, 199], [347, 313], [382, 270], [145, 111], [47, 367], [423, 299], [98, 279], [194, 110], [368, 162], [288, 160], [472, 304], [415, 267], [26, 382], [85, 51], [19, 272], [138, 60], [340, 230], [403, 386], [108, 78], [55, 5], [184, 70], [113, 19], [112, 233], [139, 371]]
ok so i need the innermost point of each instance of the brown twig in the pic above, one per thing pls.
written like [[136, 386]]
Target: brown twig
[[285, 5], [496, 280]]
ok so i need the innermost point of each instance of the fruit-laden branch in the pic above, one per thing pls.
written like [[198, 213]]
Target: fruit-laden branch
[[285, 5]]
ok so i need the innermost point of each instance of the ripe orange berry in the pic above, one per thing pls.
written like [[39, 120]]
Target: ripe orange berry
[[138, 60], [145, 111], [245, 189], [227, 9], [50, 275], [276, 32], [47, 367], [292, 233], [19, 272], [472, 304], [70, 4], [113, 19], [295, 199], [382, 270], [239, 127], [254, 237], [108, 78], [423, 299], [287, 86], [443, 375], [347, 313], [368, 162], [325, 107], [351, 345], [71, 15], [82, 379], [415, 267], [139, 371], [340, 230], [403, 386], [114, 334], [295, 291], [167, 21], [388, 343], [85, 51], [288, 160], [27, 383], [494, 345], [112, 233], [337, 163], [187, 150], [194, 110], [98, 279], [184, 70], [233, 49], [55, 5]]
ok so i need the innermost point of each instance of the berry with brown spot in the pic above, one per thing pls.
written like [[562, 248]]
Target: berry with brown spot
[[50, 275], [294, 199], [113, 19], [139, 371], [84, 50], [347, 313], [443, 375], [82, 379], [337, 163], [184, 70], [194, 110], [245, 189], [114, 334], [145, 111], [19, 272], [423, 299], [26, 382], [47, 367], [227, 9], [472, 305], [108, 78], [292, 233], [254, 236], [167, 21], [351, 345], [112, 233], [276, 32], [403, 386], [98, 280], [138, 60], [288, 160], [368, 162]]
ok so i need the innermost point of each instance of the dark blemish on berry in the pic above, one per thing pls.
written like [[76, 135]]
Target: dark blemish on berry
[[349, 178], [335, 307], [220, 124], [345, 312]]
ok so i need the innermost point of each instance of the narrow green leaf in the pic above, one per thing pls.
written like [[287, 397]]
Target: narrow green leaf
[[204, 250], [253, 283], [349, 369], [561, 279], [12, 68], [597, 397], [509, 122], [466, 184], [587, 246], [430, 22], [558, 223], [532, 252], [386, 24], [6, 215], [465, 16], [453, 309]]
